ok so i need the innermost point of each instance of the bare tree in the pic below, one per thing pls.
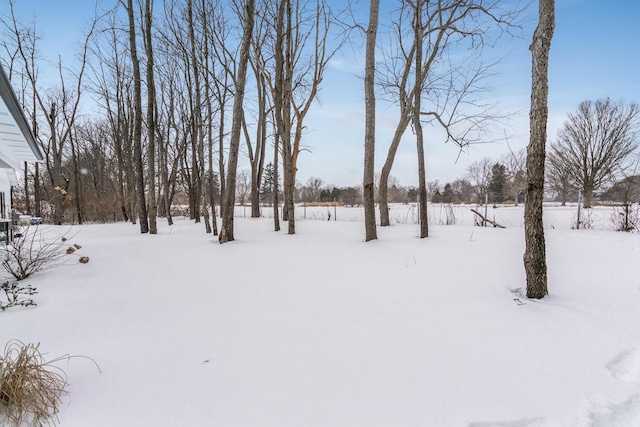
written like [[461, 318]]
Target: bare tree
[[479, 174], [300, 50], [516, 164], [226, 232], [596, 142], [210, 190], [196, 120], [370, 123], [282, 100], [450, 88], [535, 262], [243, 186], [558, 179], [257, 149], [60, 110], [112, 86], [417, 124], [311, 189], [137, 124], [151, 117]]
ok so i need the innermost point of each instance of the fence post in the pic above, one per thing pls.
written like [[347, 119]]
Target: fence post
[[579, 207], [335, 212], [486, 206]]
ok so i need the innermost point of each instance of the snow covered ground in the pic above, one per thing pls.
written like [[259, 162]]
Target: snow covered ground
[[322, 329], [608, 218]]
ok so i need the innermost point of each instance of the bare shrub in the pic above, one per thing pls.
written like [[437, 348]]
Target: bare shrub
[[626, 218], [16, 295], [33, 251]]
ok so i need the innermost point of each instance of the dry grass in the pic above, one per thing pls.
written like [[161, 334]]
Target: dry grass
[[31, 388]]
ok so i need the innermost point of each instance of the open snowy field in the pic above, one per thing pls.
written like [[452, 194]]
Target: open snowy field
[[555, 216], [322, 329]]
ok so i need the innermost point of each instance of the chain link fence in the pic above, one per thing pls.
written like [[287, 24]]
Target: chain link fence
[[623, 217], [612, 217]]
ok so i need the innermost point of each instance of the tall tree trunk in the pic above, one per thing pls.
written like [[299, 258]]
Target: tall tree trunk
[[210, 191], [275, 187], [282, 104], [587, 195], [26, 189], [56, 172], [76, 178], [137, 130], [535, 263], [37, 194], [151, 120], [198, 133], [226, 233], [288, 164], [383, 203], [417, 124], [256, 157], [370, 124]]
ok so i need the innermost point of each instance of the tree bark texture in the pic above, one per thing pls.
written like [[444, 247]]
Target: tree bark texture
[[151, 120], [226, 232], [370, 124], [417, 125], [385, 172], [535, 251], [137, 130]]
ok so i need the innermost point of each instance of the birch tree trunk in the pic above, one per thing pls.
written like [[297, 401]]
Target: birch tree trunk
[[370, 123], [535, 263]]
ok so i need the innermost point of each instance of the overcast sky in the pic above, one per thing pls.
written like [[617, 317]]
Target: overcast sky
[[595, 54]]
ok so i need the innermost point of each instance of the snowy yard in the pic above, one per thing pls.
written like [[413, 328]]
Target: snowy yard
[[321, 329], [555, 216]]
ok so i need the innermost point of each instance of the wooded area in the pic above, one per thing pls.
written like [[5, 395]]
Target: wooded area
[[182, 89], [168, 79]]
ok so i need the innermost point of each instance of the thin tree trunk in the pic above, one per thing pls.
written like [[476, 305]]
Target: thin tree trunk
[[282, 103], [417, 125], [383, 203], [77, 179], [198, 133], [56, 172], [535, 251], [370, 124], [26, 189], [151, 120], [226, 233], [37, 195], [275, 188], [210, 191], [288, 164], [137, 130]]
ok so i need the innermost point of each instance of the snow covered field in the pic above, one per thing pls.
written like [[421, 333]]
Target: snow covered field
[[555, 216], [321, 329]]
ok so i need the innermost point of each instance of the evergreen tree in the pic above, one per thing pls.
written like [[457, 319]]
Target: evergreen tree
[[266, 189], [498, 183], [448, 196]]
